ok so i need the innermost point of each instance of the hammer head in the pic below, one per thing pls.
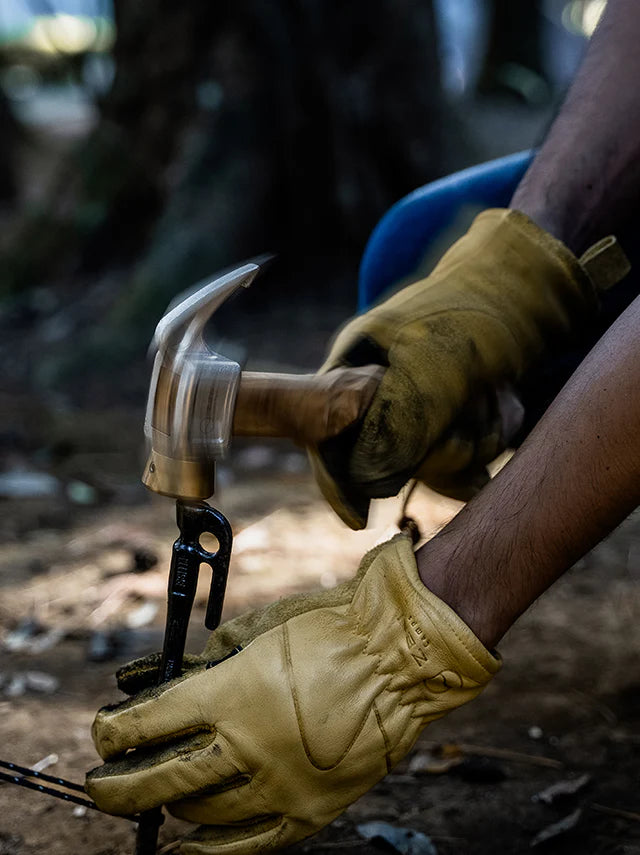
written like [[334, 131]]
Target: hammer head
[[192, 392]]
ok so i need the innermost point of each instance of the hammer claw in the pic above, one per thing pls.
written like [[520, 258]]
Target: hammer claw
[[199, 398]]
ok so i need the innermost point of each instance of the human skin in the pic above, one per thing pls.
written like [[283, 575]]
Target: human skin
[[585, 181], [578, 474], [574, 479]]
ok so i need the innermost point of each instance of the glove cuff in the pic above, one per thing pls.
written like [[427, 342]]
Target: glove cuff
[[422, 644], [604, 263]]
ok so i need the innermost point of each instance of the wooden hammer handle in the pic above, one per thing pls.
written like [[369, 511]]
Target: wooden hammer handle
[[307, 408]]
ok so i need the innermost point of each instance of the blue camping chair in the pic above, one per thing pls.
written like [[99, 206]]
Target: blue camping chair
[[402, 238], [404, 234]]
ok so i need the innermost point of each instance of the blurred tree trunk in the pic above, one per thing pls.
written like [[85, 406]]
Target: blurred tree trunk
[[113, 187], [235, 126], [314, 120], [11, 135], [514, 60]]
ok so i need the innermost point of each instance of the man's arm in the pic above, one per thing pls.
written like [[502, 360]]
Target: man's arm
[[437, 414], [332, 690], [584, 182], [575, 478], [329, 692]]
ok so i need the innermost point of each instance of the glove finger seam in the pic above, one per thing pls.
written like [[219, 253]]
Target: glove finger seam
[[385, 738]]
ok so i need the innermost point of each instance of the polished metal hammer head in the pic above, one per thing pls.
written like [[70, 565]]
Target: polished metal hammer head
[[192, 393]]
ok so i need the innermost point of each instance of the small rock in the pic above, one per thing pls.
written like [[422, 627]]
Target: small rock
[[103, 646], [40, 681], [30, 636], [437, 761], [16, 687], [406, 841], [143, 560], [19, 638], [143, 615], [557, 828], [46, 640], [562, 790], [49, 760], [82, 494], [25, 484]]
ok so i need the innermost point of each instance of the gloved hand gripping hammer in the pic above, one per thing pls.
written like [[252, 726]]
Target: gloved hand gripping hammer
[[197, 400]]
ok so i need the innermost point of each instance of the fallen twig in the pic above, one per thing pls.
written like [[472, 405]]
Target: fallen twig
[[170, 847], [610, 811], [507, 754], [503, 754]]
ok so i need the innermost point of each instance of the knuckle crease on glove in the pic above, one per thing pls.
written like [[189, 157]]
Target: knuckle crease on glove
[[170, 738], [167, 740], [233, 783], [343, 691], [219, 835], [154, 755]]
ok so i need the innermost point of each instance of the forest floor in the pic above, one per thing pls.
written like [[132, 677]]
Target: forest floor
[[79, 583], [83, 568]]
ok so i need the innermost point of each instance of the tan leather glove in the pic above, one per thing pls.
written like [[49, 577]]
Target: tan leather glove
[[275, 742], [499, 297]]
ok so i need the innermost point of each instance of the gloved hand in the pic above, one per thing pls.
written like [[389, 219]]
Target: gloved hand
[[452, 344], [275, 742]]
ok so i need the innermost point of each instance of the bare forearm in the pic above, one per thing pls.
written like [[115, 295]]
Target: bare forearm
[[576, 477], [585, 182]]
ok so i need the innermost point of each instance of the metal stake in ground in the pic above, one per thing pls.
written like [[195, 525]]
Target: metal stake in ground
[[197, 399], [194, 519]]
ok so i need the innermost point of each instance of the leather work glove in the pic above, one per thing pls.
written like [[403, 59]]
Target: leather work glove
[[453, 344], [325, 698]]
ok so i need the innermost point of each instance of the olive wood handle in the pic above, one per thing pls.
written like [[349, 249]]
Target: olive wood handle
[[307, 408]]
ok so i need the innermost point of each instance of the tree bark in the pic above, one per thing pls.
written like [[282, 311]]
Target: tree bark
[[235, 127]]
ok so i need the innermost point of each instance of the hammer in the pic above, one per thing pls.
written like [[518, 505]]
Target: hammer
[[197, 400]]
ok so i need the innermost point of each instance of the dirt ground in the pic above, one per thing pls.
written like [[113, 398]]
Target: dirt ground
[[83, 573], [567, 703]]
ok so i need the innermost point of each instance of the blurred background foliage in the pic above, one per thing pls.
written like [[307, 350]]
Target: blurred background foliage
[[147, 144]]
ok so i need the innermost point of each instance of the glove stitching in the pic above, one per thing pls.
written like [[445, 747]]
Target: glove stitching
[[296, 704], [387, 744], [558, 252], [440, 614], [468, 649], [400, 690], [379, 669]]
